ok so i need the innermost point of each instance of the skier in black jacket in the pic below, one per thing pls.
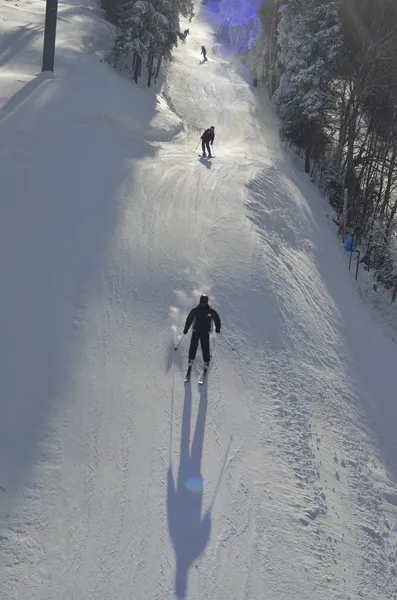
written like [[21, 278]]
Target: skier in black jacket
[[201, 317], [206, 139]]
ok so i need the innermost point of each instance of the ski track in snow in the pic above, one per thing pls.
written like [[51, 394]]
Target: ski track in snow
[[103, 254]]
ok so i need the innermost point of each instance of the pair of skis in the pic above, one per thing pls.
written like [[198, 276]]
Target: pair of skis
[[189, 372]]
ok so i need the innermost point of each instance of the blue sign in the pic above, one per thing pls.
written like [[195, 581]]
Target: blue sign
[[350, 243]]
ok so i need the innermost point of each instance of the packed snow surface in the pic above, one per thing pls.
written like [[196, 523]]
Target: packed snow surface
[[278, 479]]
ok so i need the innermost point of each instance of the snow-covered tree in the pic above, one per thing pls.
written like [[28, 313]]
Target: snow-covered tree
[[263, 55], [148, 30], [186, 8], [310, 42]]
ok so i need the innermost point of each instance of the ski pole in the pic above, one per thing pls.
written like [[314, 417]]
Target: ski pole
[[195, 150], [227, 341], [177, 346]]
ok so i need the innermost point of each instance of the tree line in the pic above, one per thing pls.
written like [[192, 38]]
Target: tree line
[[146, 33], [330, 68]]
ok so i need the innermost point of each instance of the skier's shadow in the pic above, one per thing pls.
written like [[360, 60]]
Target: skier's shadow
[[206, 162], [189, 531]]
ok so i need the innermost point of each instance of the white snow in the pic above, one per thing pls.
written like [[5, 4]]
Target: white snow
[[110, 228]]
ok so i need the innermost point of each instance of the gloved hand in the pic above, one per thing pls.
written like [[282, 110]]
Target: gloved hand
[[218, 331], [184, 331]]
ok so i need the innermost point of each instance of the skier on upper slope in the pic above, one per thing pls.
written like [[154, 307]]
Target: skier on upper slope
[[204, 53], [201, 317], [206, 139]]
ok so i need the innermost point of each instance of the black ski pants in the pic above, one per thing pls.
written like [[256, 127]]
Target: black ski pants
[[204, 339], [205, 145]]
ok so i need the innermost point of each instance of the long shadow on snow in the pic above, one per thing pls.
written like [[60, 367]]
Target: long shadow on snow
[[14, 42], [60, 175], [23, 94], [189, 530]]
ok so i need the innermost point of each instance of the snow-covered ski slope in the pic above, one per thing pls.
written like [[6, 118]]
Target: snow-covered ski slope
[[110, 229]]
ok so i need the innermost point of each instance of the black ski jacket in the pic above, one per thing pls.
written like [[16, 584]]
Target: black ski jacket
[[208, 136], [201, 317]]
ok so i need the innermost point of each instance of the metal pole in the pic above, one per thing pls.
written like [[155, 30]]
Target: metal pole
[[345, 199], [49, 35], [177, 346], [358, 261]]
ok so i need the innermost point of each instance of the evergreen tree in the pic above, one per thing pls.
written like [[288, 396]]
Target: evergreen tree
[[186, 8], [310, 43], [148, 31]]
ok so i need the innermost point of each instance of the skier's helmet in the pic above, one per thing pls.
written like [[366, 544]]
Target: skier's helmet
[[204, 299], [212, 127]]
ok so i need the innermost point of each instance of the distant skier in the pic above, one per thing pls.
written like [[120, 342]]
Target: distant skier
[[204, 53], [201, 317], [206, 139]]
